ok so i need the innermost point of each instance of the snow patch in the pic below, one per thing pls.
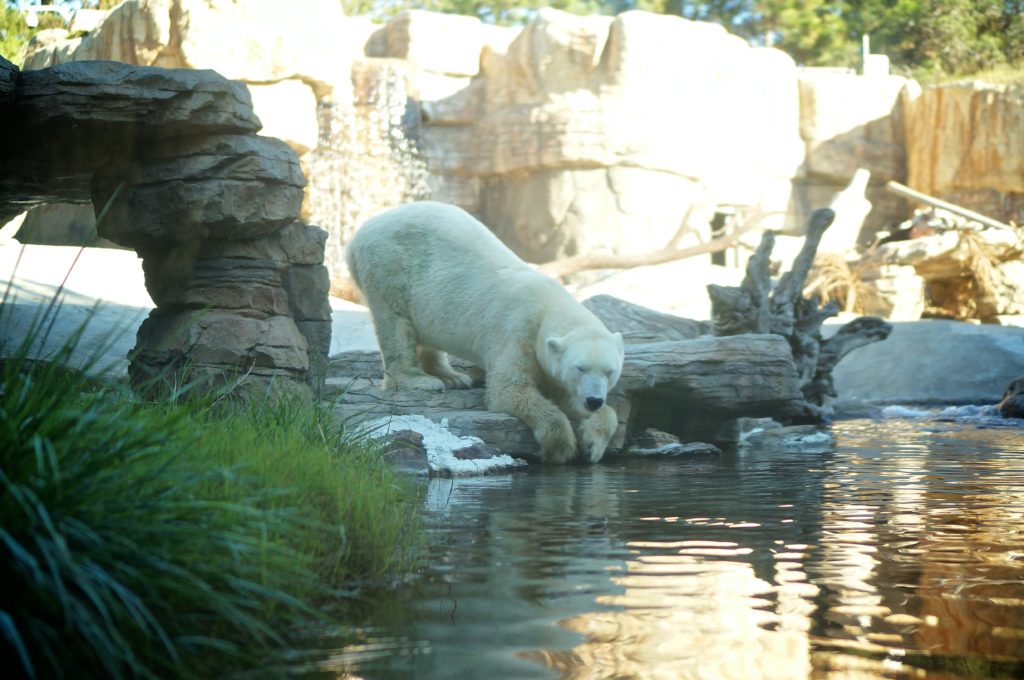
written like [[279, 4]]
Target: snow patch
[[441, 443]]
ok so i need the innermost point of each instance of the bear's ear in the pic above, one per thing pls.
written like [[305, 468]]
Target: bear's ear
[[555, 345]]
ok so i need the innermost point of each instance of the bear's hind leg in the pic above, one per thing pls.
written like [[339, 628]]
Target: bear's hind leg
[[517, 396], [397, 339], [436, 363]]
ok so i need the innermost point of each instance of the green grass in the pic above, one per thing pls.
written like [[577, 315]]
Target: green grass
[[1000, 75], [155, 540]]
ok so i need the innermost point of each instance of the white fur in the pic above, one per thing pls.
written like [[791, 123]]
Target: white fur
[[437, 281]]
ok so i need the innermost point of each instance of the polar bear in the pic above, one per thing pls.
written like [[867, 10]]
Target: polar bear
[[438, 282]]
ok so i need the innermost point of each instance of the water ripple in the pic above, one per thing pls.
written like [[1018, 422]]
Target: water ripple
[[898, 552]]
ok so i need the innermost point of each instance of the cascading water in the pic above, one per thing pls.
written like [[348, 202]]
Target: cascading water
[[366, 158]]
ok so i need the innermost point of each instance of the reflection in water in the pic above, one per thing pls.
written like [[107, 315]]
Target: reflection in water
[[897, 552]]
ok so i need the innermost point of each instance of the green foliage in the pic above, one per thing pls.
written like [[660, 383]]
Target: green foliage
[[14, 35], [919, 36], [149, 540]]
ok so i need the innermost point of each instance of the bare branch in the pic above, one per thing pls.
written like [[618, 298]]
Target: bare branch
[[579, 263]]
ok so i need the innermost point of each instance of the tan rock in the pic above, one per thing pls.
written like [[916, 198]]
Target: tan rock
[[139, 32], [441, 43], [964, 145], [850, 121], [587, 144], [256, 40]]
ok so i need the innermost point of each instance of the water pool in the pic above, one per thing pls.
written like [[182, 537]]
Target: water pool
[[896, 550]]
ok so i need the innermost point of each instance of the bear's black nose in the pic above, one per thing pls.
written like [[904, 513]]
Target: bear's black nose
[[594, 403]]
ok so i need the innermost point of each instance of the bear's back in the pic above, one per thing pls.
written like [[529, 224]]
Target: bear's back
[[414, 234]]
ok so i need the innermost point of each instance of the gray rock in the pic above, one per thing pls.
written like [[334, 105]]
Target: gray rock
[[639, 324], [308, 287], [652, 442], [174, 170], [189, 346], [62, 224], [1012, 404], [223, 187], [806, 438], [8, 82], [302, 243], [137, 102], [318, 341], [931, 362], [404, 451]]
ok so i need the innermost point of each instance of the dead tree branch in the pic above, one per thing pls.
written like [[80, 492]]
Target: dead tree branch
[[908, 193], [579, 263]]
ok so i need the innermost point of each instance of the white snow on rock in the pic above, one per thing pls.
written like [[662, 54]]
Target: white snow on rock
[[441, 444]]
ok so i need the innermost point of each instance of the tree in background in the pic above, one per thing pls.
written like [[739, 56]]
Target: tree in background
[[955, 37], [941, 36], [13, 34]]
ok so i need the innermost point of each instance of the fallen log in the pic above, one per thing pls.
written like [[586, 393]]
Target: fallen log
[[679, 386]]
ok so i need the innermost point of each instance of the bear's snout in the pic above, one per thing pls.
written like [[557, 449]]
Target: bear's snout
[[594, 403]]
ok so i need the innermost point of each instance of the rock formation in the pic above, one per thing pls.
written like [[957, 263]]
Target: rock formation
[[571, 135], [172, 164], [964, 145]]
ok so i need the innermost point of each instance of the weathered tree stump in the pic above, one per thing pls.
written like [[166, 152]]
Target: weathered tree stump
[[754, 307]]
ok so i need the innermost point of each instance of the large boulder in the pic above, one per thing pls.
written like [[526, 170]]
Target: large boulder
[[932, 362]]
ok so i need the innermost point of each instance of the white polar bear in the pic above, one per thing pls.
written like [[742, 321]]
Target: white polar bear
[[437, 281]]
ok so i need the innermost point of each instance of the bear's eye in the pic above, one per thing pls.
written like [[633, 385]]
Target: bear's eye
[[581, 369]]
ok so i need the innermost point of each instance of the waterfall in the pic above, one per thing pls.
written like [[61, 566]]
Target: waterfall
[[366, 158]]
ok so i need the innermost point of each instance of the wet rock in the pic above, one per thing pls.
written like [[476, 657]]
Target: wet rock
[[477, 452], [793, 438], [652, 442], [963, 145], [404, 451], [1012, 404]]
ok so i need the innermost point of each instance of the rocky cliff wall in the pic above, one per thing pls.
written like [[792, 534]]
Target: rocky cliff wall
[[573, 134], [172, 161]]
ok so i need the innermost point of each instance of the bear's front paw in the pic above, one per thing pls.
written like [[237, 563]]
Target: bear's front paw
[[558, 443], [595, 433]]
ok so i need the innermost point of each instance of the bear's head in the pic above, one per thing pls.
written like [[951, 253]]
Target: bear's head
[[587, 363]]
